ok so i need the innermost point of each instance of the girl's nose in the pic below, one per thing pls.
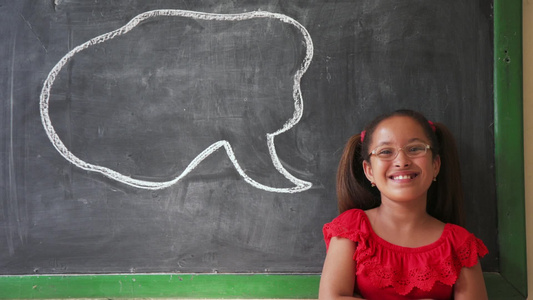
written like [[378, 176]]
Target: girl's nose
[[402, 160]]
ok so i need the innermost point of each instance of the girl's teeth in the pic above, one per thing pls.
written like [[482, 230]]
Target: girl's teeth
[[402, 177]]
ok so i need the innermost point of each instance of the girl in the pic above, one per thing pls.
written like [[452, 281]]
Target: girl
[[398, 235]]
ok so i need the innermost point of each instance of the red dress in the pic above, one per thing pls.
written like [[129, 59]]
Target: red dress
[[389, 272]]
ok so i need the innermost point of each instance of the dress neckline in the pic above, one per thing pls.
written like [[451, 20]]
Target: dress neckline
[[399, 248]]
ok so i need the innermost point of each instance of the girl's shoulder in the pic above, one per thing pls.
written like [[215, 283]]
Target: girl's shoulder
[[349, 218]]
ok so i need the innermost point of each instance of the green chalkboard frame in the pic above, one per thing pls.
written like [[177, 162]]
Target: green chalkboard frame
[[510, 283]]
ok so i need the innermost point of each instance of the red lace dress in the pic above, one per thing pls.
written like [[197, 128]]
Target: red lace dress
[[388, 272]]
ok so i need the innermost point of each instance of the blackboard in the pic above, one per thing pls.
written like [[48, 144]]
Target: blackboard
[[145, 103]]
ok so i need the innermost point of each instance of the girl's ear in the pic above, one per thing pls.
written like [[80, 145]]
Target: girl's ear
[[367, 168], [436, 166]]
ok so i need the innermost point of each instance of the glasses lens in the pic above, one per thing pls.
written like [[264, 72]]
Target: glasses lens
[[385, 152], [415, 150], [411, 150]]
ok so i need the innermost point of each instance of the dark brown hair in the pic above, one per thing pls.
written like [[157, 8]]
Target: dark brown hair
[[444, 197]]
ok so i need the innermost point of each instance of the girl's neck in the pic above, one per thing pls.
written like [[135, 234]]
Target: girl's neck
[[404, 215], [405, 226]]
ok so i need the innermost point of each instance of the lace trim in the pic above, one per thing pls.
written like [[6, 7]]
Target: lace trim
[[331, 230], [445, 271]]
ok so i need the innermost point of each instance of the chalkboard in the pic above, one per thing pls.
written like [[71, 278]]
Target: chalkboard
[[204, 136]]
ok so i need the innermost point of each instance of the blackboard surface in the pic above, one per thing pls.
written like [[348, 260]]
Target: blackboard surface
[[145, 103]]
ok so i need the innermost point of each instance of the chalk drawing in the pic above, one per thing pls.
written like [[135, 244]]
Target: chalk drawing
[[299, 185]]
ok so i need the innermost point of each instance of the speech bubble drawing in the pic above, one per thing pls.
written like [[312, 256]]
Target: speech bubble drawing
[[299, 185]]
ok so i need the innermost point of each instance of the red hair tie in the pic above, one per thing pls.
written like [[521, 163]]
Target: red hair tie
[[433, 127]]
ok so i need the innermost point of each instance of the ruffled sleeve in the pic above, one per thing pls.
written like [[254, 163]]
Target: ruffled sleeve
[[468, 248], [350, 224]]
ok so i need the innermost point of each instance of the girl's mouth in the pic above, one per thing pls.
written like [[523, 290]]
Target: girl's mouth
[[403, 176]]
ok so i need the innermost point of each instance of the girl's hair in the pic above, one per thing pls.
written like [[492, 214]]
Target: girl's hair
[[444, 197]]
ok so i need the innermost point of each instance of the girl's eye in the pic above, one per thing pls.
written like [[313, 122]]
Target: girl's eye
[[416, 148], [385, 152]]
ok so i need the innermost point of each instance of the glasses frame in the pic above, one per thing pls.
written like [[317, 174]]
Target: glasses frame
[[426, 148]]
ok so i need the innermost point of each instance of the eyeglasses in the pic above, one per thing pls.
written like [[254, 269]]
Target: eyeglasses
[[412, 150]]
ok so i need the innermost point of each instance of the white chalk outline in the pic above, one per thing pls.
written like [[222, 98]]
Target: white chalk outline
[[300, 185]]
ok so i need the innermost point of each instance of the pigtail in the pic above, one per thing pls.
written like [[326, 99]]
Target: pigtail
[[445, 196], [353, 188]]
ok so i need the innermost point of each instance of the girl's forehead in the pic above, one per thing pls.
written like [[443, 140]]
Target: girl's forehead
[[398, 129]]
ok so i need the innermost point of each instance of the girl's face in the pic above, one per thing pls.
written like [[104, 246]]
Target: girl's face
[[403, 178]]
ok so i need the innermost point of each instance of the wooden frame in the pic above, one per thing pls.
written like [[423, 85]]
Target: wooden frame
[[510, 283]]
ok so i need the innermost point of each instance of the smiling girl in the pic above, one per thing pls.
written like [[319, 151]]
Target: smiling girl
[[399, 234]]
